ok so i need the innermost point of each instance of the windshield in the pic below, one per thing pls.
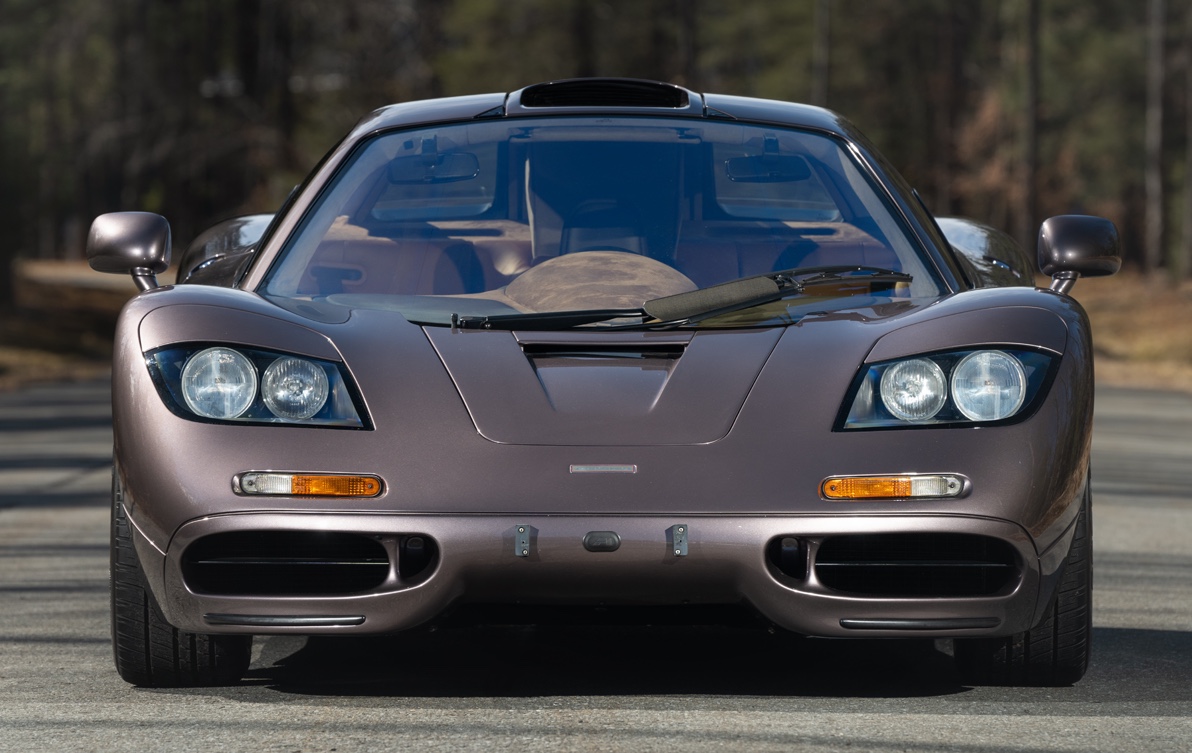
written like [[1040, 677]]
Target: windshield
[[499, 218]]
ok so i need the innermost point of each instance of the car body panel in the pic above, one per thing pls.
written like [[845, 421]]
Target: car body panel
[[578, 392], [214, 257], [723, 566], [993, 258]]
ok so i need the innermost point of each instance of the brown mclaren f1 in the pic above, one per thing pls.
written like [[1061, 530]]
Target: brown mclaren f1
[[604, 342]]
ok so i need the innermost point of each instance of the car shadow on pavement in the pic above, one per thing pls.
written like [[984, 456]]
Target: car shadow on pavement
[[1128, 664], [533, 661]]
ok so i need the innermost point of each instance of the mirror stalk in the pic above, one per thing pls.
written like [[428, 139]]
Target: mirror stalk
[[145, 278], [1062, 282]]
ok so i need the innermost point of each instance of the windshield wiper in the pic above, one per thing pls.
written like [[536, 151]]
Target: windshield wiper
[[693, 306], [705, 303]]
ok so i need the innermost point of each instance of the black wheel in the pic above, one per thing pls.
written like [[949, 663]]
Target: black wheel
[[1056, 651], [148, 650]]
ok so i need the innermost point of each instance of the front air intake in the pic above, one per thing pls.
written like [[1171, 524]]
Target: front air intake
[[916, 565], [604, 92], [285, 563]]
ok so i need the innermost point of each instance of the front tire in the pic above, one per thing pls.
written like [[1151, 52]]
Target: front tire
[[1056, 651], [148, 650]]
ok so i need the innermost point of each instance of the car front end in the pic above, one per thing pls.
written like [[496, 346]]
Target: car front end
[[603, 344]]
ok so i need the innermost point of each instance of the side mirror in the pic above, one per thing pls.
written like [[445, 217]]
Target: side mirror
[[134, 243], [1073, 246]]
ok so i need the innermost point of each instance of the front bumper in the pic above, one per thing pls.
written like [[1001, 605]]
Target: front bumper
[[651, 561]]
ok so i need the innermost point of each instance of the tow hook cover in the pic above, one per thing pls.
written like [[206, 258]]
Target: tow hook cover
[[602, 541]]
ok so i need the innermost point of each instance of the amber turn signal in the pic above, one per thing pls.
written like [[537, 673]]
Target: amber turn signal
[[892, 487], [307, 485]]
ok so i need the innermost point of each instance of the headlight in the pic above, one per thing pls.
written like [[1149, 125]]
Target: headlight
[[294, 388], [914, 390], [955, 389], [988, 385], [219, 383], [249, 385]]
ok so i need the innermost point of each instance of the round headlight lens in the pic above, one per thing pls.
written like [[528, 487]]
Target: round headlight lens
[[219, 383], [294, 389], [914, 390], [988, 385]]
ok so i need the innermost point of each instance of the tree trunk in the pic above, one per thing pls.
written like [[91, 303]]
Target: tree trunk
[[1154, 135], [1183, 257], [821, 53], [1028, 222]]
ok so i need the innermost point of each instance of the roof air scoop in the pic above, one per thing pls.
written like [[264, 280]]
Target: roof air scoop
[[604, 93]]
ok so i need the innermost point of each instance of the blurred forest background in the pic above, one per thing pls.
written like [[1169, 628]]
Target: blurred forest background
[[1007, 111]]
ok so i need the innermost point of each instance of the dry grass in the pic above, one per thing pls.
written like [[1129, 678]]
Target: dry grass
[[1142, 330], [24, 366], [59, 327], [35, 347]]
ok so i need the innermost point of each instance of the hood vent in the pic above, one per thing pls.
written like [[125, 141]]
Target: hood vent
[[605, 92], [630, 351], [594, 388]]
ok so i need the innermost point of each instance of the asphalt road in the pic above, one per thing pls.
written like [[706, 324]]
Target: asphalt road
[[659, 689]]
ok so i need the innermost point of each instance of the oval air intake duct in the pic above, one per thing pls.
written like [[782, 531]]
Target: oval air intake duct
[[604, 92]]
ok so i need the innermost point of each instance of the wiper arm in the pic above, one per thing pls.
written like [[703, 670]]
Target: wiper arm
[[717, 299], [544, 321], [693, 306], [818, 275], [705, 303]]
